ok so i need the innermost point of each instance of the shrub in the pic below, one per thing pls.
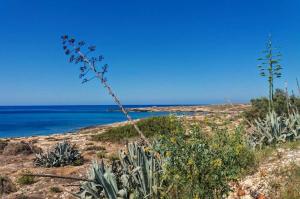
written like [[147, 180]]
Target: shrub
[[6, 185], [55, 190], [26, 180], [95, 148], [150, 127], [61, 155], [260, 106], [101, 154], [197, 165], [113, 157], [3, 144], [16, 148]]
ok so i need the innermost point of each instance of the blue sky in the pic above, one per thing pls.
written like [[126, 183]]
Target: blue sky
[[159, 52]]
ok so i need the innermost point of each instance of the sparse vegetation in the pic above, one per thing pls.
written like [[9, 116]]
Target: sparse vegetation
[[287, 187], [113, 157], [3, 144], [151, 127], [55, 190], [6, 185], [61, 155], [101, 154], [25, 179], [17, 148], [22, 196], [95, 148]]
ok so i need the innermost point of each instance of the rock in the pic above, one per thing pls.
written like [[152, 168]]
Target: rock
[[241, 192], [16, 148], [260, 196], [246, 197], [6, 185]]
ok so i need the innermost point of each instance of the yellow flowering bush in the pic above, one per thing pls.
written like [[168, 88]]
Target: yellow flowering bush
[[200, 166]]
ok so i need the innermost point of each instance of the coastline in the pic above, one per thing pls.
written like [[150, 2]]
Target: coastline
[[195, 109], [210, 108], [14, 165]]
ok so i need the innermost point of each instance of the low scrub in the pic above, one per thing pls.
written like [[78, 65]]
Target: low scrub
[[95, 148], [260, 106], [19, 148], [150, 127], [26, 179], [3, 144], [61, 155], [288, 183], [6, 185], [55, 190]]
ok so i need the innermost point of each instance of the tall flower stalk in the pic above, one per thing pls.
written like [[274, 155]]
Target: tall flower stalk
[[79, 54], [270, 67], [298, 85]]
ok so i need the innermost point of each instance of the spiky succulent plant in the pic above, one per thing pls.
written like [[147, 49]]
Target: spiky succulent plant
[[274, 129], [62, 154], [136, 175]]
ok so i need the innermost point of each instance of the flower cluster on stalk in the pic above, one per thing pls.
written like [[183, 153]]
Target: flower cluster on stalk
[[79, 53]]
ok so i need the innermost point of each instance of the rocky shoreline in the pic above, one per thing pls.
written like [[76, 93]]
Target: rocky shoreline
[[225, 108], [14, 165]]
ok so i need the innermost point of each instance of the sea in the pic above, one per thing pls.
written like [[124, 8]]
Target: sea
[[21, 121]]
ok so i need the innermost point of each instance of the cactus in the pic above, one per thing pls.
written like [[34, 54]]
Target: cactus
[[136, 175], [61, 155]]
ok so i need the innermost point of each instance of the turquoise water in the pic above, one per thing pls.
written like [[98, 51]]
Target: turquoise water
[[19, 121]]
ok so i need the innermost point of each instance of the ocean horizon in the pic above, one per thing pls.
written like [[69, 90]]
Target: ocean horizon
[[35, 120]]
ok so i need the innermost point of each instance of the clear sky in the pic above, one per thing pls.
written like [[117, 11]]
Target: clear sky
[[159, 52]]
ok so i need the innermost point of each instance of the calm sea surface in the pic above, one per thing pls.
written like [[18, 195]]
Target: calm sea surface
[[18, 121]]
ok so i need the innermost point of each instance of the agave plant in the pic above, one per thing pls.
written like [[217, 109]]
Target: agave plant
[[293, 125], [61, 155], [269, 130], [137, 175], [274, 129], [104, 184]]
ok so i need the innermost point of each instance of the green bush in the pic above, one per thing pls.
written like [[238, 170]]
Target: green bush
[[260, 106], [55, 190], [101, 154], [197, 165], [150, 127], [26, 180]]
